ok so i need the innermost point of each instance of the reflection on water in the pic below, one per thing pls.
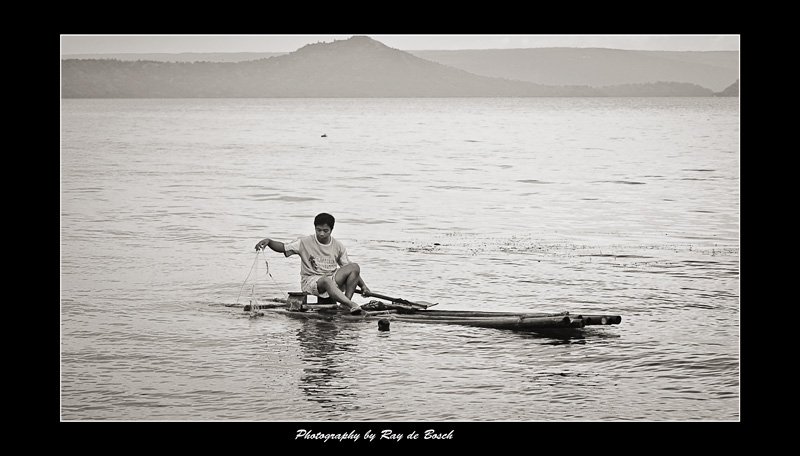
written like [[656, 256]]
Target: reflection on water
[[554, 337], [322, 353]]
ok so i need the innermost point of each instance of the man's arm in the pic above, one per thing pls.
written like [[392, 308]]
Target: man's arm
[[275, 246]]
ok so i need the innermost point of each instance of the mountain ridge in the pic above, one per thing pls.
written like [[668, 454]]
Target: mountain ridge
[[356, 67]]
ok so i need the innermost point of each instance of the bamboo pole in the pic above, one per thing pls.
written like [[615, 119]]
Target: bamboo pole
[[498, 322]]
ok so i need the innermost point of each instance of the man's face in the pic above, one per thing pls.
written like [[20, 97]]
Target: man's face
[[323, 233]]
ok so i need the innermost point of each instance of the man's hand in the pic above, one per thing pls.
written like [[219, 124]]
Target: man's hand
[[262, 244]]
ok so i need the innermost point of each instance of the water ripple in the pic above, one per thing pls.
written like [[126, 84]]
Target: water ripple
[[549, 205]]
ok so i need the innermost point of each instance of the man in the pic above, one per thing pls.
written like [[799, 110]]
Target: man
[[325, 269]]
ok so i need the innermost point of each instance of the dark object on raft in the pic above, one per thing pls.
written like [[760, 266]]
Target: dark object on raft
[[297, 305]]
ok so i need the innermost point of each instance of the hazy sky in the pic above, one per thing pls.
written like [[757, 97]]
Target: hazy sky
[[107, 44]]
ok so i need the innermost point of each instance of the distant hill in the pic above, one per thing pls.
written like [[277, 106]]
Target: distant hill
[[730, 91], [180, 57], [596, 67], [356, 67]]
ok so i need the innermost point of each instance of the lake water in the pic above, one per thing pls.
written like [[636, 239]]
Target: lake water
[[624, 206]]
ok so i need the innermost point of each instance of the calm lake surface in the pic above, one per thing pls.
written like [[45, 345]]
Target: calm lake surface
[[624, 206]]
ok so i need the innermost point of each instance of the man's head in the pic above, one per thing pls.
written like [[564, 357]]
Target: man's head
[[323, 226]]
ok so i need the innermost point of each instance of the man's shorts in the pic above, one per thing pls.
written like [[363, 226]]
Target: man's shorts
[[309, 284]]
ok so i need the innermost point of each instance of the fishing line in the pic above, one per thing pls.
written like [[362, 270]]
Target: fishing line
[[247, 278], [270, 275], [252, 292]]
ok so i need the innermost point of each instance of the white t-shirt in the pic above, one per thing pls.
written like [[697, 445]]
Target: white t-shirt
[[316, 260]]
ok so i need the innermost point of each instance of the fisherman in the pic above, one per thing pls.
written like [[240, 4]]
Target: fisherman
[[325, 270]]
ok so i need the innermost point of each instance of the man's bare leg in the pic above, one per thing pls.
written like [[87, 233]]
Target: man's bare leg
[[347, 278], [326, 284], [344, 286]]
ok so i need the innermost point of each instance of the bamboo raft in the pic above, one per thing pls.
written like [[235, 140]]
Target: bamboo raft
[[406, 311]]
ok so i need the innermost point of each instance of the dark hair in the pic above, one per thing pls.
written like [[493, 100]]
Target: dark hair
[[323, 219]]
